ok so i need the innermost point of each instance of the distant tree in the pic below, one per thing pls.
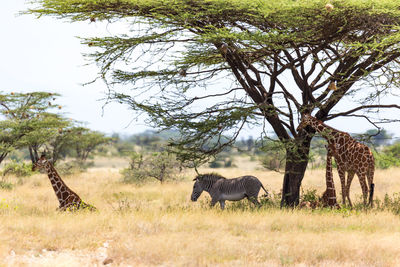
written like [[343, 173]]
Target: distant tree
[[273, 156], [159, 165], [278, 59], [84, 141], [44, 129], [162, 166], [250, 143], [61, 145], [378, 137]]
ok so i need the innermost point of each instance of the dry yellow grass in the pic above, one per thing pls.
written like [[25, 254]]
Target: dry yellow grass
[[157, 224]]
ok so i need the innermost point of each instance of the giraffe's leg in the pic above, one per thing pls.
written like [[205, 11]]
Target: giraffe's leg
[[370, 177], [343, 184], [350, 177], [364, 187]]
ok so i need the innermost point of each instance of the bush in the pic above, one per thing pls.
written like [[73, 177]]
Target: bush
[[221, 162], [216, 164], [18, 169], [310, 195], [161, 166], [136, 176], [73, 167], [6, 185], [386, 159]]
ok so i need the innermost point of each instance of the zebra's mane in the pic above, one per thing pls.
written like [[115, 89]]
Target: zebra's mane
[[212, 177]]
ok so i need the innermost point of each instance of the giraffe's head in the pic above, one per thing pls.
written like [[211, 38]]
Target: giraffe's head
[[306, 119], [41, 163]]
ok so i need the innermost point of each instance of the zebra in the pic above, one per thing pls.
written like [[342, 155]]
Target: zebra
[[221, 189]]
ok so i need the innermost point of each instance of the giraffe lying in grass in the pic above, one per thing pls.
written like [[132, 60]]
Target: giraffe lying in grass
[[68, 199]]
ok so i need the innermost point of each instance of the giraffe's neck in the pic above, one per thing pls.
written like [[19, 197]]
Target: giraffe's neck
[[329, 133], [58, 184]]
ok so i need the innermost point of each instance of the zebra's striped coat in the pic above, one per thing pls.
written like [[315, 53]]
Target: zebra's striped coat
[[221, 189]]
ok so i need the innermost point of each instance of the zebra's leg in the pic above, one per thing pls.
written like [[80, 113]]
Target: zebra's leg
[[254, 200], [252, 197], [213, 202], [222, 203]]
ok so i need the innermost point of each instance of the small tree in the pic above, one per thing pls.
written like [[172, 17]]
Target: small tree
[[61, 144], [160, 165], [43, 129], [379, 137], [273, 157], [84, 141]]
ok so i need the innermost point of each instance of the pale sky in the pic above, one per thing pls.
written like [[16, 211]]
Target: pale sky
[[45, 55]]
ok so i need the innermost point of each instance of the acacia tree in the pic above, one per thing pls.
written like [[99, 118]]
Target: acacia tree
[[277, 59], [10, 132], [28, 122]]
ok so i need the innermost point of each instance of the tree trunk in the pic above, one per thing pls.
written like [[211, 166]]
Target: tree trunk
[[296, 164], [3, 156], [31, 154]]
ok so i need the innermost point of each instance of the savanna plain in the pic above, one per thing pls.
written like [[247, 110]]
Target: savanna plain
[[157, 224]]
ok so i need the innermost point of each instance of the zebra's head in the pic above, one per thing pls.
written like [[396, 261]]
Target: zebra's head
[[197, 189], [203, 182]]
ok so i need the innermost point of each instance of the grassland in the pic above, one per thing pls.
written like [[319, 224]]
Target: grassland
[[155, 224]]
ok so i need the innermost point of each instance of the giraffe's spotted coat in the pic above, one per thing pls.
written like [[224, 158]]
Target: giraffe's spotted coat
[[67, 198], [329, 196], [351, 157]]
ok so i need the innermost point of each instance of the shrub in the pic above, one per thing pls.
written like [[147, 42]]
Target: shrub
[[215, 164], [221, 162], [136, 176], [310, 195], [161, 166], [6, 185], [19, 169], [386, 159], [73, 167]]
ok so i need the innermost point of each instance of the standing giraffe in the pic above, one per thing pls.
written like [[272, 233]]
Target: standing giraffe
[[68, 199], [350, 156], [329, 196]]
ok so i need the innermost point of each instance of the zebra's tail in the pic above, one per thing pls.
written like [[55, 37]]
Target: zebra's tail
[[266, 192]]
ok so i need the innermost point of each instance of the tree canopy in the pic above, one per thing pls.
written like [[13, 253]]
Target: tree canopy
[[28, 121], [209, 67]]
